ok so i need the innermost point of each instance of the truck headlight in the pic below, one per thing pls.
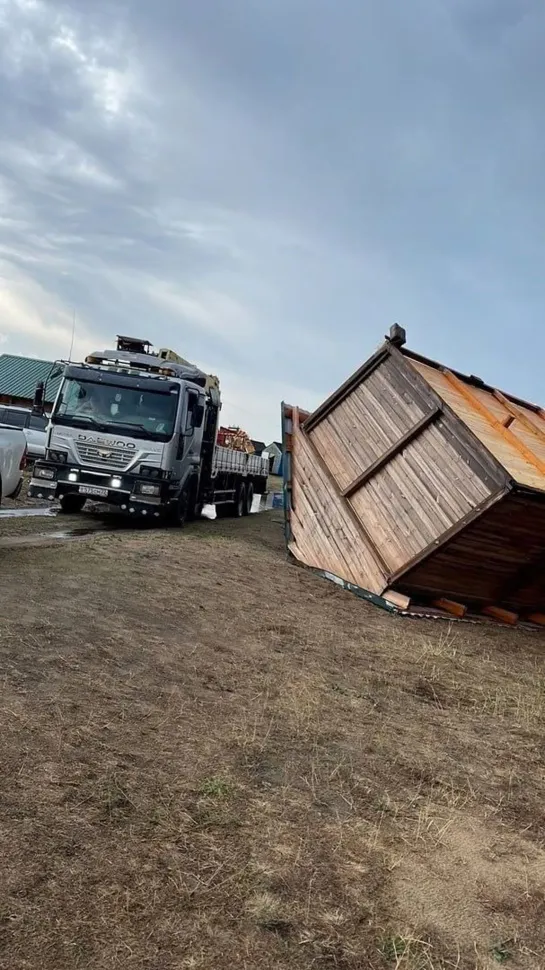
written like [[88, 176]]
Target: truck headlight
[[146, 489], [150, 471], [40, 472], [60, 457]]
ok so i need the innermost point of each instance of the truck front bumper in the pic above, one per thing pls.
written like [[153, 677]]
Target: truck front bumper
[[128, 492]]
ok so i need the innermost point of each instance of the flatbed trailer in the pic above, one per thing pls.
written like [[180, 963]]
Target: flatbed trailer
[[233, 471]]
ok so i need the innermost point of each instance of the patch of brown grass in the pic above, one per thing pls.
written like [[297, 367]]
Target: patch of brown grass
[[211, 758]]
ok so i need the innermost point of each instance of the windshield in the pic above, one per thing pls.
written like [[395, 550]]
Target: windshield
[[122, 410]]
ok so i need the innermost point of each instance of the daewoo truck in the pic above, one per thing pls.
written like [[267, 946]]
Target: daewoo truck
[[137, 429]]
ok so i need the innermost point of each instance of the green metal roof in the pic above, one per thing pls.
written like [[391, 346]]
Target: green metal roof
[[19, 376]]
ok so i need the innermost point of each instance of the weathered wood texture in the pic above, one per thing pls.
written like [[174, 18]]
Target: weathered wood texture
[[371, 418], [498, 559], [424, 489], [499, 445], [406, 478], [418, 496], [324, 531], [341, 392], [408, 468], [450, 606], [395, 449]]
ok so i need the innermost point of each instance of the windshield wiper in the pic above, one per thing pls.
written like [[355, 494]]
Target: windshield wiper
[[108, 426], [78, 417], [133, 427]]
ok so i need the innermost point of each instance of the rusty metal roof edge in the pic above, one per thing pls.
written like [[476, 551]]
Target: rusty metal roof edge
[[470, 379], [359, 591]]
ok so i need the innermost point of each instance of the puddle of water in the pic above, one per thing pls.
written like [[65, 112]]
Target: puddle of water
[[260, 503], [42, 538], [26, 513], [77, 533]]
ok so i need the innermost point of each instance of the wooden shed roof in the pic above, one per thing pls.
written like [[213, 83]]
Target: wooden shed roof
[[513, 430]]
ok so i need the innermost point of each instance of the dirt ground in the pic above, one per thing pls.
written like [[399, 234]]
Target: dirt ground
[[211, 758]]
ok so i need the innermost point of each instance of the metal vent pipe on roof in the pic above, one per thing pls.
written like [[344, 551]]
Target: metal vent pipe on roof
[[397, 336]]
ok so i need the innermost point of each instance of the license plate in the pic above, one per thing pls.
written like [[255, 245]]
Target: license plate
[[91, 490]]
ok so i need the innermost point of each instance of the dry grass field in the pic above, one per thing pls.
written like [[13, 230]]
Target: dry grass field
[[211, 759]]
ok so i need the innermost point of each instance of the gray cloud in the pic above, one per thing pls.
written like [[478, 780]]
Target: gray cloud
[[267, 186]]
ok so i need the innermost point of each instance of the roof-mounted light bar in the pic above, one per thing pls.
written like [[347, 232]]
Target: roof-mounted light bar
[[109, 364]]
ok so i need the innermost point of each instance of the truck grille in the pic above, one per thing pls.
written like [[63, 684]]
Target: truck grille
[[103, 456]]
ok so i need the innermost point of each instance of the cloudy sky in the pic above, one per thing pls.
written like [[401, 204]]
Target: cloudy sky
[[266, 185]]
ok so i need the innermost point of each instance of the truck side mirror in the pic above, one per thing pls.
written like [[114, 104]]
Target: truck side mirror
[[189, 429], [38, 405], [194, 416]]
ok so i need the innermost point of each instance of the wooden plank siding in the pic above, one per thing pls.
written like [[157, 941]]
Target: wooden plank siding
[[324, 533], [409, 470], [398, 446], [426, 490], [367, 422]]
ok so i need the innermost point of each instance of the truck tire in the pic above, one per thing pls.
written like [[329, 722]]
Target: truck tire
[[193, 510], [178, 515], [240, 502], [71, 504], [249, 498]]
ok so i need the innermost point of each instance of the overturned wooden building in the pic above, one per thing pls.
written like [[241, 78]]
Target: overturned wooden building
[[415, 480]]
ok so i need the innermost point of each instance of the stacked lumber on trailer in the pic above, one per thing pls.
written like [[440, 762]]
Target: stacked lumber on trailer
[[420, 482], [236, 439]]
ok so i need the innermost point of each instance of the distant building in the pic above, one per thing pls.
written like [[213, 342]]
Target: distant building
[[275, 453], [259, 446], [19, 377]]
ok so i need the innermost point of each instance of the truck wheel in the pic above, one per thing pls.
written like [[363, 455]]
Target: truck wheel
[[179, 510], [240, 502], [193, 511], [249, 498], [71, 504]]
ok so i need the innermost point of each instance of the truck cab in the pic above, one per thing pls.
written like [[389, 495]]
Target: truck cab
[[138, 430], [126, 429]]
